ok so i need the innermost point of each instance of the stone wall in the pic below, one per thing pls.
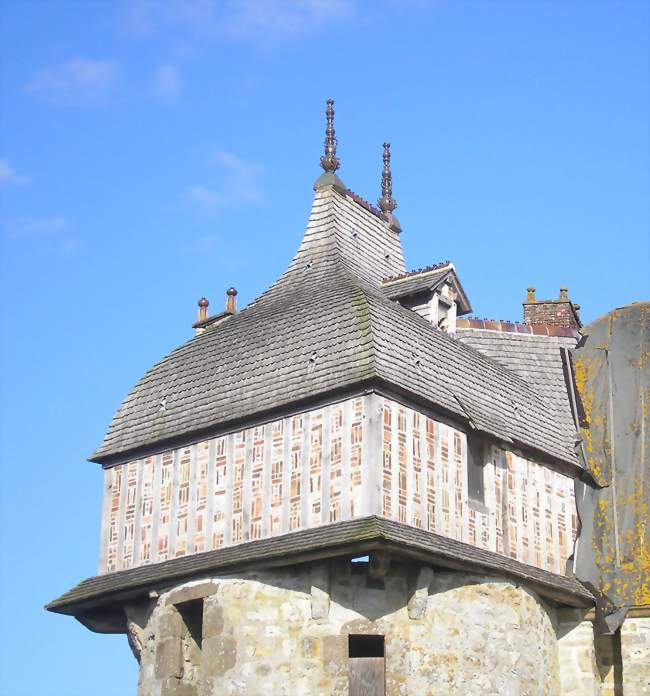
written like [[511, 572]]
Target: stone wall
[[594, 664], [579, 675], [635, 651], [286, 632]]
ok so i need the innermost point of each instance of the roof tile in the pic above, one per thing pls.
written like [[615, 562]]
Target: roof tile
[[329, 303]]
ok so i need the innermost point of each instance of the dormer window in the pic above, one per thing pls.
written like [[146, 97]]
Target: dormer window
[[435, 293], [445, 312]]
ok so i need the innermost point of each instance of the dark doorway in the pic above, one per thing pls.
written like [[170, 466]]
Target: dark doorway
[[366, 665]]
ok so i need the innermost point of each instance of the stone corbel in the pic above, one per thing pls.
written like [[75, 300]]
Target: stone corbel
[[320, 592], [417, 604], [137, 617]]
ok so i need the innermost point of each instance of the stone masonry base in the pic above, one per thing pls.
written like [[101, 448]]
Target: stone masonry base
[[286, 631]]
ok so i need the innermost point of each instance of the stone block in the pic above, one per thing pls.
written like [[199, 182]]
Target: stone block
[[175, 687], [320, 604], [219, 655], [335, 653], [212, 619], [190, 592], [170, 623], [169, 658], [417, 604], [310, 647]]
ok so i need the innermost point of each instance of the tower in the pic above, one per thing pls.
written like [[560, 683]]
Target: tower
[[331, 492]]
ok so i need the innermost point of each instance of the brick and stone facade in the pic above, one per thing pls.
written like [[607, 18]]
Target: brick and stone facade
[[362, 456]]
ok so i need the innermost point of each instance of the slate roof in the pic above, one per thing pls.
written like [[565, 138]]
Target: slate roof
[[536, 358], [351, 537], [326, 326], [416, 281], [426, 280]]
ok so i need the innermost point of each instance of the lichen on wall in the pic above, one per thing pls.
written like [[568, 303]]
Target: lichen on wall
[[263, 634]]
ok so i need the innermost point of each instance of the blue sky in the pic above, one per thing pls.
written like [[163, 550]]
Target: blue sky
[[152, 152]]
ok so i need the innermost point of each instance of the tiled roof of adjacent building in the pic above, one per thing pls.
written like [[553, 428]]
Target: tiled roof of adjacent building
[[517, 327], [534, 356], [354, 537], [324, 327]]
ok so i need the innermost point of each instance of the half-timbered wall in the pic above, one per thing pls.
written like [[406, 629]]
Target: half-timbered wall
[[292, 473], [367, 455], [529, 511]]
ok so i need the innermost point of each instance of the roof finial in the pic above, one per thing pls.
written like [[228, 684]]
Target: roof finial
[[387, 203], [329, 161], [203, 309], [231, 301]]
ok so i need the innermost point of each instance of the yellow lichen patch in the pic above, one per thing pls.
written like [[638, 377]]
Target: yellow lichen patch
[[586, 368]]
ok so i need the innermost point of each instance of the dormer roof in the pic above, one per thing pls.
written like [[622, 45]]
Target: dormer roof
[[327, 327], [427, 280]]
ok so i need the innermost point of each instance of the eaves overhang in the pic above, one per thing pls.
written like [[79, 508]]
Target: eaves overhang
[[377, 385], [342, 539]]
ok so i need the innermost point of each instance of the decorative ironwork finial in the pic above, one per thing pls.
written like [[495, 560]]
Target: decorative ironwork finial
[[387, 203], [329, 161]]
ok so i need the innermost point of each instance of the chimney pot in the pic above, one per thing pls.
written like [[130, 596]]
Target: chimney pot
[[531, 294], [231, 301], [564, 293], [203, 308]]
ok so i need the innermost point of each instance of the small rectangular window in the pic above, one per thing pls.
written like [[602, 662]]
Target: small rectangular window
[[366, 663], [365, 646], [475, 467], [192, 613]]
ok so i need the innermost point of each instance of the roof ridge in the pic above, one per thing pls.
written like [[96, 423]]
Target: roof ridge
[[505, 326], [443, 335], [409, 274], [366, 204]]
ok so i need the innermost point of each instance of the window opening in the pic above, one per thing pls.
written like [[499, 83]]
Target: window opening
[[475, 467], [192, 613], [365, 646]]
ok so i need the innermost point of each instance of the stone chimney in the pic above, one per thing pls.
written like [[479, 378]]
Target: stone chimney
[[560, 312]]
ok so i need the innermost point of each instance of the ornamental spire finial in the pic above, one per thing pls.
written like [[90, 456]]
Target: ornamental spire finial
[[329, 161], [387, 203]]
